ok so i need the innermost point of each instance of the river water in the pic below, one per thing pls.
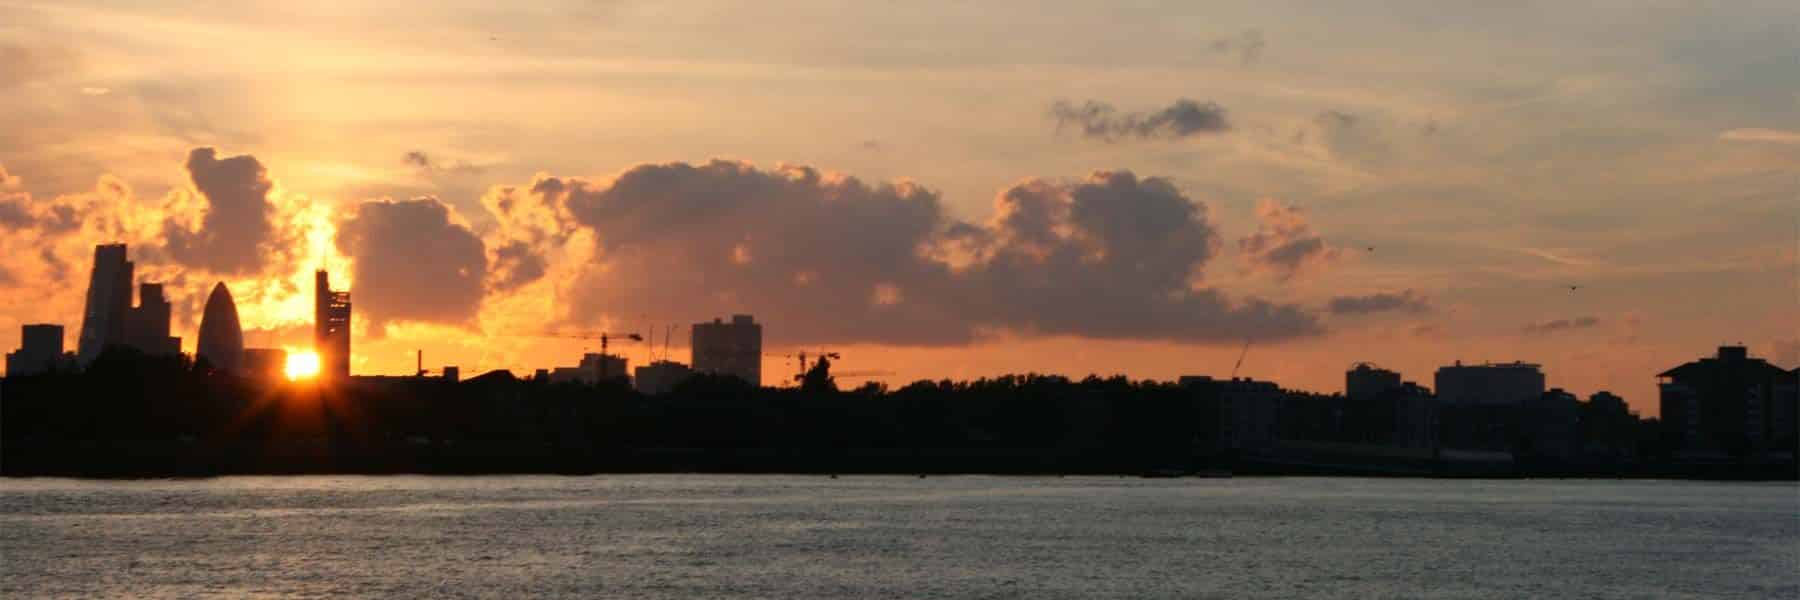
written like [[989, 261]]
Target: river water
[[717, 536]]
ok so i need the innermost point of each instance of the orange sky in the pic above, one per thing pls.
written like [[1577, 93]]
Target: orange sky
[[938, 191]]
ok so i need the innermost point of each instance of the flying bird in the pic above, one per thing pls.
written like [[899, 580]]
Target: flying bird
[[1574, 287]]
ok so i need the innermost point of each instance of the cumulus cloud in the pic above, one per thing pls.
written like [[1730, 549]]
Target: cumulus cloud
[[1406, 301], [826, 258], [46, 245], [515, 265], [15, 207], [1284, 244], [1100, 121], [412, 263], [237, 234], [1559, 325]]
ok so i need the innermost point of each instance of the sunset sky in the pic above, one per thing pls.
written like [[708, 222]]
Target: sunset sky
[[936, 189]]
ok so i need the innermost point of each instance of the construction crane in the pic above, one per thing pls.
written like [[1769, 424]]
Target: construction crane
[[853, 374], [604, 337], [1240, 360], [801, 374], [668, 332]]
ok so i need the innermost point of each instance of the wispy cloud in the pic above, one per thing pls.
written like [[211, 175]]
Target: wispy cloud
[[1559, 325], [1758, 134], [1556, 255], [1099, 120], [1405, 301]]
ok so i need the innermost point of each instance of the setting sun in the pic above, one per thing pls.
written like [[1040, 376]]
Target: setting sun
[[303, 364]]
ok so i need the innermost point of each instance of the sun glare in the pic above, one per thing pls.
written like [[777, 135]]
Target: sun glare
[[303, 364]]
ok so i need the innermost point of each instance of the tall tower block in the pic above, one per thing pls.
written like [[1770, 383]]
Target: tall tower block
[[108, 300], [331, 328]]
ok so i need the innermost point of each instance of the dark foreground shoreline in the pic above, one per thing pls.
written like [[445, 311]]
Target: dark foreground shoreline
[[146, 460]]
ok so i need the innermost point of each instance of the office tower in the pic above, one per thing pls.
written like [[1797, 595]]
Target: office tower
[[108, 299], [331, 328], [221, 340], [40, 349], [147, 324], [733, 348]]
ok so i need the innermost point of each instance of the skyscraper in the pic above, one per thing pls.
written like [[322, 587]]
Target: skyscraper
[[733, 348], [331, 328], [147, 324], [108, 299], [221, 340]]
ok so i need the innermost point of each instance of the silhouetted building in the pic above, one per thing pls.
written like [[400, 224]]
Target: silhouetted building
[[221, 340], [331, 328], [605, 366], [1380, 408], [659, 377], [571, 375], [1549, 425], [733, 348], [1249, 409], [1415, 416], [452, 374], [1728, 405], [1491, 384], [1478, 405], [147, 324], [108, 299], [1608, 426], [1784, 416], [1367, 381], [594, 368], [265, 363], [40, 350]]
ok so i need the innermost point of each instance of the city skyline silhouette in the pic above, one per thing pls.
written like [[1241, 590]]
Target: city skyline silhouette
[[1242, 178], [1310, 185], [827, 299]]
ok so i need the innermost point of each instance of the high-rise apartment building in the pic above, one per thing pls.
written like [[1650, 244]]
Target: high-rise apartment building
[[1729, 404], [728, 348]]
